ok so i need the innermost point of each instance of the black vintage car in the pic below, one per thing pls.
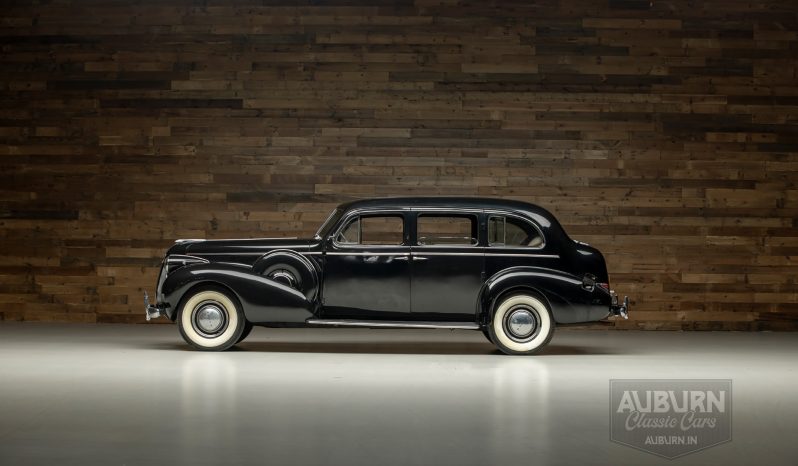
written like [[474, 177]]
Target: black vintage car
[[506, 268]]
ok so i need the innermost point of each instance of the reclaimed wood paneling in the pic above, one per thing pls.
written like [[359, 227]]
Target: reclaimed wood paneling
[[664, 132]]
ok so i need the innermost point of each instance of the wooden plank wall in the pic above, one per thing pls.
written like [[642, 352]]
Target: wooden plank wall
[[663, 132]]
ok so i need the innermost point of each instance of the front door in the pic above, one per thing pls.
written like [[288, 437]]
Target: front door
[[446, 267], [367, 269]]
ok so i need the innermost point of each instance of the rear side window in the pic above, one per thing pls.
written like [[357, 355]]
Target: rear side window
[[380, 230], [447, 230], [510, 231]]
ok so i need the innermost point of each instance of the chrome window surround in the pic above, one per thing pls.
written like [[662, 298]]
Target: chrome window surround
[[402, 211], [442, 212], [324, 224], [498, 213], [345, 220]]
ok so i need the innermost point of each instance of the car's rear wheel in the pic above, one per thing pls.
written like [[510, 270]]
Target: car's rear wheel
[[521, 324], [210, 319]]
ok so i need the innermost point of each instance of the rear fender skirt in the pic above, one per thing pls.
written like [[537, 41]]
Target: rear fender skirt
[[263, 300], [569, 301]]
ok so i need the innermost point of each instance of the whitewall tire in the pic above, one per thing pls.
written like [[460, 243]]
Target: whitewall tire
[[210, 319], [521, 324]]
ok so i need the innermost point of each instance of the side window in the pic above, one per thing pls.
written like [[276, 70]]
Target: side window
[[380, 230], [454, 230], [510, 231]]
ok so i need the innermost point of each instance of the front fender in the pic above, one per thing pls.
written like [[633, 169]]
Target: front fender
[[569, 301], [263, 299]]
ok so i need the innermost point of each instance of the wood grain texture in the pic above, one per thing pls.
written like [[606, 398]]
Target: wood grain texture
[[663, 132]]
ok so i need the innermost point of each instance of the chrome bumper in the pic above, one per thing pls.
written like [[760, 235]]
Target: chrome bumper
[[151, 311], [619, 308]]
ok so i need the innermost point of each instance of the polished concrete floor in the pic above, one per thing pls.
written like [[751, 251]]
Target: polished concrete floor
[[76, 394]]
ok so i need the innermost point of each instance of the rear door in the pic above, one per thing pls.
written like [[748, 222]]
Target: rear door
[[447, 264]]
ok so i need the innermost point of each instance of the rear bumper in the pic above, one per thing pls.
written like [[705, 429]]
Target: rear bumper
[[619, 308]]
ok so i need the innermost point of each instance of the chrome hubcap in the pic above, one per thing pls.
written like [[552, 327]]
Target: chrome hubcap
[[521, 323], [210, 318]]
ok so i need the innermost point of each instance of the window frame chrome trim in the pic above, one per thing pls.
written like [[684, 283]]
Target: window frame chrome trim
[[496, 213], [376, 213], [441, 212]]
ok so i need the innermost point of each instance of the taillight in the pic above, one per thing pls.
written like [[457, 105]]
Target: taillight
[[606, 286]]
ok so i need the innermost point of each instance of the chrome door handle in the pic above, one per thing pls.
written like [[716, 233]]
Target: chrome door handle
[[419, 258], [400, 258]]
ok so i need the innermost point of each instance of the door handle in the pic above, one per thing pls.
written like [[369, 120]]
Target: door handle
[[419, 258], [400, 258]]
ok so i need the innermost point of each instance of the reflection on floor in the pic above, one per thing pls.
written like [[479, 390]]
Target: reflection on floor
[[74, 394]]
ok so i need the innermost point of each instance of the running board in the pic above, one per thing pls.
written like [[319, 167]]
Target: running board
[[392, 324]]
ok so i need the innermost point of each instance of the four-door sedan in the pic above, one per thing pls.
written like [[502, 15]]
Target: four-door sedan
[[506, 268]]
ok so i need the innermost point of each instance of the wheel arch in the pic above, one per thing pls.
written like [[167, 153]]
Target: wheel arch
[[196, 286], [546, 284], [488, 307]]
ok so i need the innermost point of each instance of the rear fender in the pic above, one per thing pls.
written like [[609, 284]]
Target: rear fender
[[568, 300], [264, 300]]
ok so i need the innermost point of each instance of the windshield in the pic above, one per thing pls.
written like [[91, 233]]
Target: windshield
[[332, 219]]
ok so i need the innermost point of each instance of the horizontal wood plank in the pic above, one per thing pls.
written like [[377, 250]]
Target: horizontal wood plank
[[665, 133]]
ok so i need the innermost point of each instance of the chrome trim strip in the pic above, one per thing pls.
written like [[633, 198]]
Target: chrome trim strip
[[438, 210], [256, 253], [184, 259], [366, 253], [541, 256], [427, 253], [395, 324], [485, 253]]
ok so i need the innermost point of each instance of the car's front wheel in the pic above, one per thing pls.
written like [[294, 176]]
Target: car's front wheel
[[210, 319], [522, 324]]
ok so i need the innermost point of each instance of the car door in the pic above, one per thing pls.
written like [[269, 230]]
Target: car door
[[367, 268], [447, 264]]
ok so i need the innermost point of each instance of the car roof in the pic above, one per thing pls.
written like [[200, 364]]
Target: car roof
[[446, 202]]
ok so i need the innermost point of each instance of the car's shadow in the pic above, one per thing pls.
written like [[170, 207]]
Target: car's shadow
[[392, 347]]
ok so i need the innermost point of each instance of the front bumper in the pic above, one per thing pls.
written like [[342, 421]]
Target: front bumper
[[153, 311], [619, 308]]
